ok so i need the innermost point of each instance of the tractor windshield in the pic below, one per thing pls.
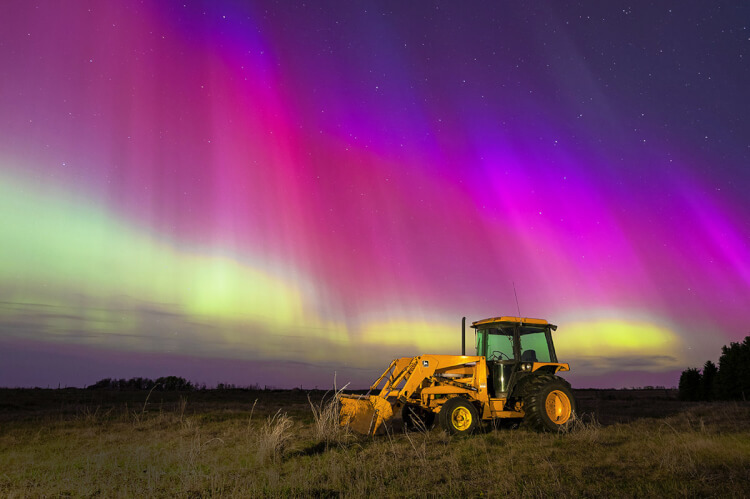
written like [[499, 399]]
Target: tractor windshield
[[534, 345], [495, 343]]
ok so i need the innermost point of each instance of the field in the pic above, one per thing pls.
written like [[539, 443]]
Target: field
[[261, 443]]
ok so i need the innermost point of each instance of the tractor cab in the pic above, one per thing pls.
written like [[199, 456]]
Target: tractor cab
[[514, 348]]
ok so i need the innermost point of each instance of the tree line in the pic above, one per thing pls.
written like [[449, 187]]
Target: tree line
[[165, 383], [729, 381]]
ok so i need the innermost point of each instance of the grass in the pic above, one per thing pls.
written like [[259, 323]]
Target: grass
[[272, 444]]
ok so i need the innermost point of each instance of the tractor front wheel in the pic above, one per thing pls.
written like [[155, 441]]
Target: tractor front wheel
[[549, 404], [458, 416]]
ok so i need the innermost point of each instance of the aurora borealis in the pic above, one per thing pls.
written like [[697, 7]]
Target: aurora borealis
[[271, 192]]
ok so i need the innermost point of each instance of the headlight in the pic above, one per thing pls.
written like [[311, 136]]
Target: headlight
[[526, 367]]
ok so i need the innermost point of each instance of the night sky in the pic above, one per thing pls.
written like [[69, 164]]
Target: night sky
[[271, 192]]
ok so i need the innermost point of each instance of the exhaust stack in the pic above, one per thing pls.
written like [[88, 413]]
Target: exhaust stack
[[463, 336]]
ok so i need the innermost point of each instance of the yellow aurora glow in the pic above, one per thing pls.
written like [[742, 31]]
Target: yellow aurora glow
[[599, 340], [422, 336], [219, 304]]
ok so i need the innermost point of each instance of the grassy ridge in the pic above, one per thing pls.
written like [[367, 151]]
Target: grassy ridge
[[269, 444]]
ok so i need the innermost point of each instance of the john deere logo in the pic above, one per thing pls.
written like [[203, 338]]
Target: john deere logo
[[425, 363]]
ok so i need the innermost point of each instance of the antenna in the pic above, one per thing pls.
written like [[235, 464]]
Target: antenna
[[517, 306]]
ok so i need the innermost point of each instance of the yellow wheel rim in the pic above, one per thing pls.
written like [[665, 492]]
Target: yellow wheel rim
[[461, 418], [558, 407]]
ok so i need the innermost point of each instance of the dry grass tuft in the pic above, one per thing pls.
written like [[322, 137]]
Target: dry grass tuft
[[419, 445], [139, 417], [251, 411], [326, 426], [181, 406], [274, 438], [419, 437], [585, 428], [92, 416]]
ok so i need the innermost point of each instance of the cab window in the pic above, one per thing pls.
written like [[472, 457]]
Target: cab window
[[534, 346]]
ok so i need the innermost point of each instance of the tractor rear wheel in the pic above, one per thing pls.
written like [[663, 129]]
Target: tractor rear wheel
[[548, 403], [458, 416]]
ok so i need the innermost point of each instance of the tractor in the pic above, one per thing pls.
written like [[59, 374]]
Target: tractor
[[512, 378]]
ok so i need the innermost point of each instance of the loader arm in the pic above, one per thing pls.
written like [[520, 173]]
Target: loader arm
[[413, 380]]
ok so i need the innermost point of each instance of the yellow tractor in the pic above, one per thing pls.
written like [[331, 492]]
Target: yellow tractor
[[513, 376]]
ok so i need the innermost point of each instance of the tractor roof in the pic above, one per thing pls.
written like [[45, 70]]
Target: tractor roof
[[511, 320]]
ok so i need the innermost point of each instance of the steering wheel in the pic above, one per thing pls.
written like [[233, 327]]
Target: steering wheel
[[499, 356]]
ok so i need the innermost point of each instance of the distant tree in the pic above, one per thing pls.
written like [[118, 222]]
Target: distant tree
[[690, 384], [102, 384], [734, 371], [167, 383], [174, 383], [140, 384], [708, 381]]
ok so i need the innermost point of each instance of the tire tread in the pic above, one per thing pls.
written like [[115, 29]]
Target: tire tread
[[533, 405]]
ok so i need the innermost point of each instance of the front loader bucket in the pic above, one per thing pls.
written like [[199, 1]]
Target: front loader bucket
[[364, 414]]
